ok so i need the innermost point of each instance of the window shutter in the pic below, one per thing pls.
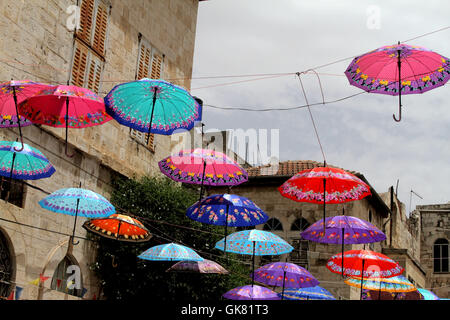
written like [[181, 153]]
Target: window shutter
[[79, 64], [95, 71], [156, 66], [101, 22], [145, 54], [86, 14]]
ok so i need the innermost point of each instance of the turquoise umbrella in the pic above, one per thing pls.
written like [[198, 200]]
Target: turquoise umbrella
[[428, 295], [27, 164], [311, 293], [153, 106], [78, 202], [170, 252]]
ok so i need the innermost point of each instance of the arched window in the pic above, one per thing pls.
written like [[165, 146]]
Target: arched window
[[6, 266], [300, 224], [273, 224], [440, 255], [370, 218], [300, 253], [67, 277]]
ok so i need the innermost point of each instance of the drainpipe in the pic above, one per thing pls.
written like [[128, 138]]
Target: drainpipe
[[391, 189]]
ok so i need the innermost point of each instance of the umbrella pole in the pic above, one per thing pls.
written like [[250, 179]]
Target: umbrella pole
[[253, 272], [75, 223], [151, 116], [226, 231], [399, 63], [10, 176], [203, 178], [18, 120], [362, 279], [324, 203], [342, 253], [282, 291], [67, 127]]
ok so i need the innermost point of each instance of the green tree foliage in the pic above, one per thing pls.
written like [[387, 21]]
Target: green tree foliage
[[161, 204]]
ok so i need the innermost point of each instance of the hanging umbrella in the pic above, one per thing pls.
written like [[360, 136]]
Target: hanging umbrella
[[324, 185], [285, 275], [119, 227], [227, 210], [27, 164], [12, 93], [204, 167], [170, 252], [427, 294], [205, 266], [65, 106], [77, 202], [156, 104], [343, 230], [253, 292], [386, 295], [362, 264], [413, 69], [256, 243], [309, 293], [392, 284]]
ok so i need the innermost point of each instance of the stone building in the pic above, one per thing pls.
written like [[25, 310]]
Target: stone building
[[116, 41]]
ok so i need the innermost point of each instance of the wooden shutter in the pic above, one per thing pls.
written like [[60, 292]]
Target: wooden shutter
[[95, 71], [86, 14], [156, 66], [80, 59], [101, 22], [145, 55]]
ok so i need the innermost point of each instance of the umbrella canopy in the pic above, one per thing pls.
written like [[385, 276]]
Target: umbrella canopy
[[428, 295], [205, 266], [78, 202], [27, 164], [251, 292], [385, 295], [309, 293], [399, 69], [393, 284], [227, 209], [170, 252], [156, 104], [119, 227], [203, 166]]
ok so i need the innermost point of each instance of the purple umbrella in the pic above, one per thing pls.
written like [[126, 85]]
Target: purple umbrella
[[286, 275], [251, 292], [343, 230]]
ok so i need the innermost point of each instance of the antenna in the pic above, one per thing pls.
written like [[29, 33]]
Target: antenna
[[410, 198]]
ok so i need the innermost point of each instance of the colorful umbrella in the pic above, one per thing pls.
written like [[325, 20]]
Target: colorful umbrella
[[362, 264], [27, 164], [65, 106], [205, 266], [256, 243], [156, 104], [11, 94], [227, 210], [324, 185], [385, 295], [427, 294], [78, 202], [413, 69], [119, 227], [392, 284], [285, 275], [309, 293], [170, 252], [253, 292], [343, 230]]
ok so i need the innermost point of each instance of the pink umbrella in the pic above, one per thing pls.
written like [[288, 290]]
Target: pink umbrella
[[413, 69], [65, 106]]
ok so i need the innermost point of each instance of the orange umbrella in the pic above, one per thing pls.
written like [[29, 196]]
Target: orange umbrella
[[119, 227]]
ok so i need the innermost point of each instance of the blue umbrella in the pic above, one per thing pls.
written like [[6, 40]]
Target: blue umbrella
[[428, 295], [170, 252], [311, 293]]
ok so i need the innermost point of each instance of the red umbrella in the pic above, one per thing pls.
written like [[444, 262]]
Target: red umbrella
[[324, 185], [362, 264]]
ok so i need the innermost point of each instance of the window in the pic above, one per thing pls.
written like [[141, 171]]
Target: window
[[150, 63], [370, 216], [300, 253], [300, 224], [12, 191], [90, 41], [65, 275], [273, 224], [440, 255], [6, 267]]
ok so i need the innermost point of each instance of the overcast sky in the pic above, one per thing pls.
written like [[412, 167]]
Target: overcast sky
[[242, 37]]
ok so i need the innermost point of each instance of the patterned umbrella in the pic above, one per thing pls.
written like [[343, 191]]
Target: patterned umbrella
[[205, 266], [412, 68], [286, 275], [119, 227], [256, 243], [362, 264], [27, 164], [170, 252], [11, 94], [77, 202], [253, 292], [156, 104], [343, 230], [385, 295], [227, 210], [324, 185], [65, 106], [309, 293], [428, 295], [393, 284]]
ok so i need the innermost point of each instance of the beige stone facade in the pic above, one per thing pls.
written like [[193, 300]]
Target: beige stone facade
[[36, 44]]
